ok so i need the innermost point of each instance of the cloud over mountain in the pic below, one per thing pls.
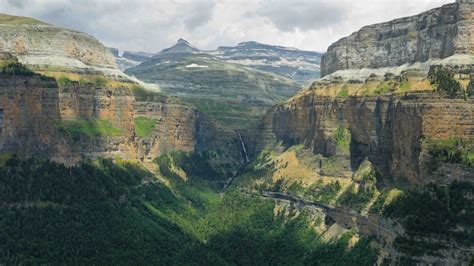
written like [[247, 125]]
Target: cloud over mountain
[[151, 25]]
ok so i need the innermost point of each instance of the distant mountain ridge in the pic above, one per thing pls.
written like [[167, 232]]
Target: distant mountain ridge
[[301, 66], [298, 65], [233, 95]]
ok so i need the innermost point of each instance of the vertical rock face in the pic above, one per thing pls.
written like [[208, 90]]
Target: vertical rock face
[[35, 113], [387, 130], [32, 115], [114, 105], [29, 106], [77, 120], [436, 34], [85, 101], [177, 128]]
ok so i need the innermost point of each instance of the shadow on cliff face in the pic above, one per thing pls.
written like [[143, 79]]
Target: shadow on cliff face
[[392, 131], [30, 108]]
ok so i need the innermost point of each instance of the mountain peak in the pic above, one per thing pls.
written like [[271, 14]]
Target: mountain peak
[[181, 46], [183, 41]]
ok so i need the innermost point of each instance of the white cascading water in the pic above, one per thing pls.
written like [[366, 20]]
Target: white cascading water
[[243, 146]]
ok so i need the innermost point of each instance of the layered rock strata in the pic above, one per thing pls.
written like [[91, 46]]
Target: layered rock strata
[[389, 130], [43, 45], [436, 34]]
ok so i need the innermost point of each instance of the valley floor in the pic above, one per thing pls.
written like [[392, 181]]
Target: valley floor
[[118, 213], [174, 212]]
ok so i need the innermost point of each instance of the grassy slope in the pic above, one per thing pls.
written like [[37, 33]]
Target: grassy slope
[[15, 20], [144, 126], [229, 93], [436, 218]]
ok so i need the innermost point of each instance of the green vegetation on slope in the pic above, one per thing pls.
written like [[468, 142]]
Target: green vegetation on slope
[[15, 20], [436, 212], [88, 128], [231, 94], [445, 83], [107, 213], [456, 151], [357, 199], [13, 67], [470, 88], [143, 95], [89, 214], [144, 126]]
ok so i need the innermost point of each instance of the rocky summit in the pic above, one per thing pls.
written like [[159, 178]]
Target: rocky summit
[[241, 155]]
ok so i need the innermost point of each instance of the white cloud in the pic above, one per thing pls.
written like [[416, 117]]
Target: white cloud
[[151, 25]]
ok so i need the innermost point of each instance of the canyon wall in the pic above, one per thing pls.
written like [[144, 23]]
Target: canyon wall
[[436, 34], [40, 118], [29, 108], [391, 131], [178, 127]]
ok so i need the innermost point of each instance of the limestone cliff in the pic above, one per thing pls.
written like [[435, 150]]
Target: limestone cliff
[[72, 121], [89, 110], [39, 44], [436, 34], [177, 127], [391, 131], [29, 108]]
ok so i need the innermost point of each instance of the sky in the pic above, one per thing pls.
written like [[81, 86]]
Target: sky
[[152, 25]]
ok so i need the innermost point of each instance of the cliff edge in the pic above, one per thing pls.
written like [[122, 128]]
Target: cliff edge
[[433, 35]]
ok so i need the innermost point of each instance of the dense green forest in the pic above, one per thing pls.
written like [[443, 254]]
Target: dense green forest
[[433, 216], [102, 212]]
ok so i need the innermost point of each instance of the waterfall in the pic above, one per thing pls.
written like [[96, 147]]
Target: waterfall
[[243, 146]]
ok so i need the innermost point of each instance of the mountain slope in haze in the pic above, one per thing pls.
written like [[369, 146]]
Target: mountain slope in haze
[[301, 66], [298, 65], [231, 94], [129, 59]]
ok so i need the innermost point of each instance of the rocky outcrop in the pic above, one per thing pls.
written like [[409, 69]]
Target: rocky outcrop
[[436, 34], [40, 44], [389, 130], [181, 47]]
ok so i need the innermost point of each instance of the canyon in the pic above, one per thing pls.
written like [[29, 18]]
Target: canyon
[[351, 155]]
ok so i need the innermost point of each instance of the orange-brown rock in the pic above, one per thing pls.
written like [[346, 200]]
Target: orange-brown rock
[[178, 128], [389, 130], [29, 107]]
